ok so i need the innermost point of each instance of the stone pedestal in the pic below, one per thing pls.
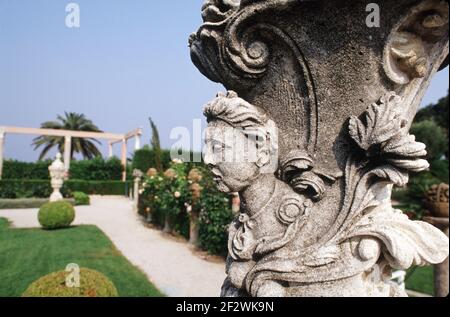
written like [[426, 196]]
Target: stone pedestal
[[194, 177], [324, 93], [137, 174]]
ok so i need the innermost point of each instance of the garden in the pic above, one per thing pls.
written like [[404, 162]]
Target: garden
[[48, 251], [177, 198]]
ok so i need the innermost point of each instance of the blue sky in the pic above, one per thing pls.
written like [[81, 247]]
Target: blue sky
[[129, 60]]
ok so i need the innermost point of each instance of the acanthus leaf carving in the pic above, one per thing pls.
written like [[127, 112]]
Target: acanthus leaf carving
[[381, 123], [381, 134], [405, 242]]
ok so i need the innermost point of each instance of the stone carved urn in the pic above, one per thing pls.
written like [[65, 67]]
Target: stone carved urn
[[437, 200], [332, 98], [57, 175]]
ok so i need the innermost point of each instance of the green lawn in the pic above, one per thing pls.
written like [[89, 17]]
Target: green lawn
[[28, 254], [420, 279]]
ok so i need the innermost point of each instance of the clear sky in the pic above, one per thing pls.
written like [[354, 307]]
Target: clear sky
[[129, 60]]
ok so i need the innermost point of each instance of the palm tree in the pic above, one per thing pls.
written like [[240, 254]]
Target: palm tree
[[70, 121]]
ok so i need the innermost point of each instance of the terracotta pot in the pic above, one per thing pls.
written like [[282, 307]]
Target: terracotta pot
[[437, 209]]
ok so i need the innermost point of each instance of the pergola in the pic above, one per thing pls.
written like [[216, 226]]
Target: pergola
[[68, 135]]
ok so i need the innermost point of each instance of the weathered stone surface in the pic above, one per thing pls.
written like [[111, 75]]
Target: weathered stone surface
[[331, 101]]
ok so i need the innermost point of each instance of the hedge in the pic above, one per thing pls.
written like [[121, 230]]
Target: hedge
[[144, 159], [96, 169], [25, 170], [18, 188]]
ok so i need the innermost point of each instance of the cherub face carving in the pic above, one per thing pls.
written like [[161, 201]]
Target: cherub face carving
[[232, 171], [240, 142]]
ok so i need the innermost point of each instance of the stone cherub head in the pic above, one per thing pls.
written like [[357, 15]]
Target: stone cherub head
[[241, 142], [242, 153]]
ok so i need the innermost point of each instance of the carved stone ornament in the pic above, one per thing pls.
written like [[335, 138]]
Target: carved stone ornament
[[331, 101], [57, 174]]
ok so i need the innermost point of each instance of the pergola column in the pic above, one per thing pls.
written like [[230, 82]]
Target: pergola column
[[137, 142], [2, 142], [110, 150], [124, 159], [67, 152]]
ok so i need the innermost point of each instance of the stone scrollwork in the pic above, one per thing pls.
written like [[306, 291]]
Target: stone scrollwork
[[411, 44], [331, 104], [234, 46]]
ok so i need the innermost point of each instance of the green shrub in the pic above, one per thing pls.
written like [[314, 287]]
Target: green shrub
[[215, 218], [439, 169], [18, 188], [81, 199], [419, 184], [430, 133], [215, 215], [56, 215], [411, 198], [92, 284]]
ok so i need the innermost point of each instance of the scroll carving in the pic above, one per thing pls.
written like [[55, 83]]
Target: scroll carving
[[412, 42]]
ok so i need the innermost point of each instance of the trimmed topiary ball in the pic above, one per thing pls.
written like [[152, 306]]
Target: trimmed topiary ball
[[81, 199], [92, 284], [56, 215]]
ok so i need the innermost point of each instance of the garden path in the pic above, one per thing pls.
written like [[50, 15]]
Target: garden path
[[170, 265]]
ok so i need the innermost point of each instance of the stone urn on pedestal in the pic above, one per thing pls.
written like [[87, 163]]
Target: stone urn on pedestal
[[323, 93], [57, 175]]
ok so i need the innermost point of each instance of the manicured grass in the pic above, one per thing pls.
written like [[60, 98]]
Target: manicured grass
[[28, 254], [421, 279]]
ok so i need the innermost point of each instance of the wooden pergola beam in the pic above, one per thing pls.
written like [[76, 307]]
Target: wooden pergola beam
[[68, 135], [132, 134], [63, 133]]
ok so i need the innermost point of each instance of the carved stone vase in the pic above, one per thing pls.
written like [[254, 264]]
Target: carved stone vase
[[339, 95], [57, 174]]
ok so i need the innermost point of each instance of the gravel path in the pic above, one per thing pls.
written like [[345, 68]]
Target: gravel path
[[170, 265]]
